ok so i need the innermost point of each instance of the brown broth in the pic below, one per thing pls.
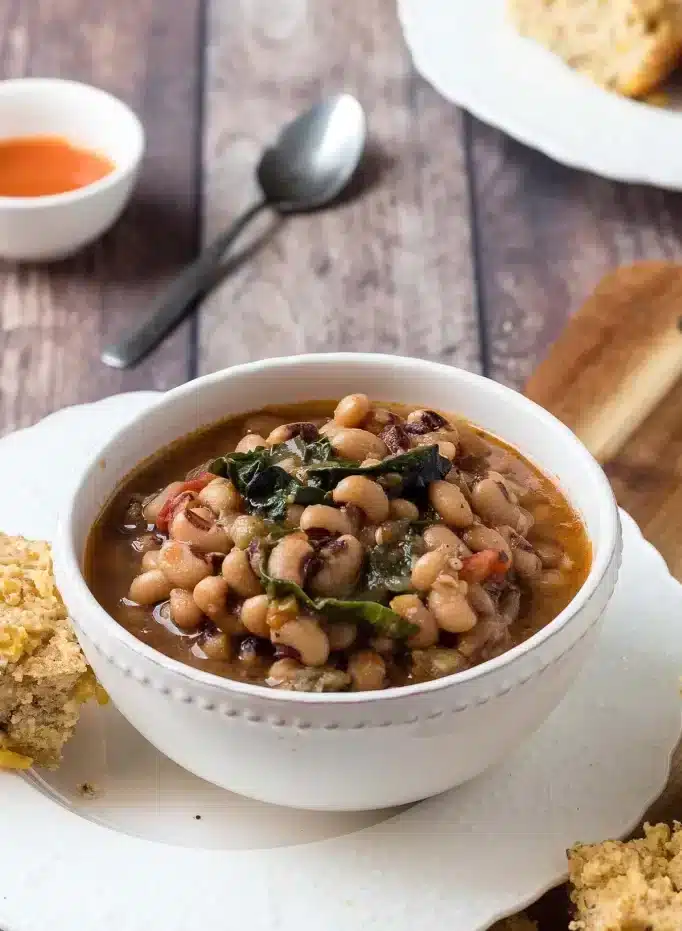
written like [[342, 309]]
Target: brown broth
[[111, 560]]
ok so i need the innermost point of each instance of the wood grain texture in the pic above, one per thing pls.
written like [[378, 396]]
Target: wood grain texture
[[617, 357], [389, 272], [545, 235], [54, 319]]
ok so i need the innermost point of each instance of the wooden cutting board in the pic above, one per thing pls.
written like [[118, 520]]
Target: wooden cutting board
[[615, 377]]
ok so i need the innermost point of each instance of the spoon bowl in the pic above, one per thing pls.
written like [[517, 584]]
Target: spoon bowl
[[315, 156]]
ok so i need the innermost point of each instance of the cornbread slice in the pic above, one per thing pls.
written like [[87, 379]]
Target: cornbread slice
[[634, 886], [44, 677], [628, 46]]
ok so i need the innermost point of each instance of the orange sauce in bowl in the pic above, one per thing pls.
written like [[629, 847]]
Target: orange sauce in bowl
[[36, 166]]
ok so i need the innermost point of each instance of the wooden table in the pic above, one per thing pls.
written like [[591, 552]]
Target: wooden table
[[467, 247]]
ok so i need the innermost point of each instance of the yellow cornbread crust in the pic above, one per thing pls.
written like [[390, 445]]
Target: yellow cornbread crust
[[44, 677], [633, 886]]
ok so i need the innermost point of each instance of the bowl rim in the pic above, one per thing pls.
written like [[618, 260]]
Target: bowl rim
[[77, 592], [122, 168]]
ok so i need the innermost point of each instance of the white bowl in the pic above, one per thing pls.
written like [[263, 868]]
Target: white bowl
[[342, 751], [39, 229]]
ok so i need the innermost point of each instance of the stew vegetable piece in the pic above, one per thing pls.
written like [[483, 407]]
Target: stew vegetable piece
[[331, 548]]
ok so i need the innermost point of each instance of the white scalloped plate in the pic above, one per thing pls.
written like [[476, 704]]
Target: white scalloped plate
[[473, 56], [158, 848]]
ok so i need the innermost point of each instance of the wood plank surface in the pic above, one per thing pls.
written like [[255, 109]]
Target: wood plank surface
[[391, 272], [545, 235], [54, 319]]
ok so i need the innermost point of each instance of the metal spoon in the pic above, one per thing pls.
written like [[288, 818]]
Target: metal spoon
[[308, 167]]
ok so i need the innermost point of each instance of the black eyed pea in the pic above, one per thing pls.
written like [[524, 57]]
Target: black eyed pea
[[448, 603], [210, 596], [427, 420], [402, 509], [150, 559], [342, 634], [306, 637], [367, 536], [323, 517], [429, 566], [287, 431], [283, 671], [550, 554], [353, 443], [391, 531], [280, 611], [262, 424], [221, 495], [197, 526], [479, 537], [182, 567], [365, 494], [549, 579], [414, 610], [217, 645], [526, 521], [254, 615], [480, 600], [290, 558], [508, 483], [439, 535], [527, 563], [294, 515], [510, 606], [184, 611], [341, 564], [352, 410], [490, 500], [149, 588], [384, 646], [379, 418], [450, 504], [153, 505], [147, 543], [471, 444], [248, 443], [239, 575], [246, 528], [487, 634], [367, 671]]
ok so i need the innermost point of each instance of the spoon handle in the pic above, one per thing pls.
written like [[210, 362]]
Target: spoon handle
[[178, 299]]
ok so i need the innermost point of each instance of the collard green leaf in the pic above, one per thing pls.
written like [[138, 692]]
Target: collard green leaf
[[266, 488], [389, 566], [416, 468], [380, 618]]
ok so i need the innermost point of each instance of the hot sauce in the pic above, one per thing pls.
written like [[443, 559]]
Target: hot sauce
[[36, 166]]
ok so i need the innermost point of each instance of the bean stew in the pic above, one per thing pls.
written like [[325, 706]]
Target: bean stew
[[330, 547]]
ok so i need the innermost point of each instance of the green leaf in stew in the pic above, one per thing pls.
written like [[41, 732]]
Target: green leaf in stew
[[267, 489], [389, 566], [380, 618], [416, 468]]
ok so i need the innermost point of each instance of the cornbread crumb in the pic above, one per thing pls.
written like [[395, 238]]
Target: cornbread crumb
[[516, 923], [44, 677], [628, 46], [634, 886]]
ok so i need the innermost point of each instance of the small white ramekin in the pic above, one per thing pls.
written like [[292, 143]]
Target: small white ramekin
[[342, 751], [40, 229]]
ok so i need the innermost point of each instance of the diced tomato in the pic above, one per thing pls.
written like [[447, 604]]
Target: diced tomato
[[194, 484], [481, 566]]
